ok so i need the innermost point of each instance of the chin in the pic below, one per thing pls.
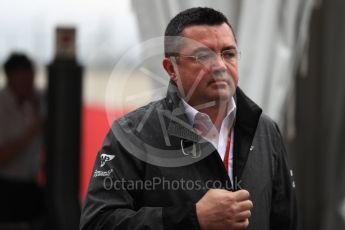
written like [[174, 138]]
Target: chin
[[221, 97]]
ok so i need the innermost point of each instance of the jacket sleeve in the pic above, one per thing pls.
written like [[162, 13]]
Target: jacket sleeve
[[283, 207], [109, 205]]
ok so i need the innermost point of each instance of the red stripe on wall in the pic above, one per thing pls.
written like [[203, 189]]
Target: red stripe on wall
[[95, 126]]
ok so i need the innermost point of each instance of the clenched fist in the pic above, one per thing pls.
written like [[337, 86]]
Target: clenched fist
[[220, 209]]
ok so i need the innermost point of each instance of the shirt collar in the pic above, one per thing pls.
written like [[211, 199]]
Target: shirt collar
[[191, 112]]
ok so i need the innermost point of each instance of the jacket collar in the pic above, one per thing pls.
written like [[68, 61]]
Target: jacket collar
[[247, 119], [179, 124]]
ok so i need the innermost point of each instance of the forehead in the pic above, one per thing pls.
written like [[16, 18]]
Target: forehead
[[20, 73], [214, 37]]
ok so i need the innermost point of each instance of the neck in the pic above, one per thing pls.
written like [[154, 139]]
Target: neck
[[20, 98]]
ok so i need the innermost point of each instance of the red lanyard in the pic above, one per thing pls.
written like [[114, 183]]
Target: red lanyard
[[227, 152]]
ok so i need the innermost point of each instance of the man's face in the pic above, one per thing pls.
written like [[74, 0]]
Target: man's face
[[211, 81], [21, 82]]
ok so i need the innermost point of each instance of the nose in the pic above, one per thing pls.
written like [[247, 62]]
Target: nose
[[217, 63]]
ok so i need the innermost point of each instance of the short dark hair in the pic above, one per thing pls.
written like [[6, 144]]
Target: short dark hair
[[190, 17], [17, 61]]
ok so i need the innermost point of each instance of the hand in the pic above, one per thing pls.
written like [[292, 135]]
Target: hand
[[220, 209]]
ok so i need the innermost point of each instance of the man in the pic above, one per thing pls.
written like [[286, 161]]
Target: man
[[204, 157], [20, 142]]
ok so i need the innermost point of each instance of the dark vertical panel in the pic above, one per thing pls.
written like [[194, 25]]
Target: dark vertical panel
[[320, 121], [63, 144]]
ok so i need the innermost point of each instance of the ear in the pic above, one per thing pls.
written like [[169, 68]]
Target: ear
[[169, 67]]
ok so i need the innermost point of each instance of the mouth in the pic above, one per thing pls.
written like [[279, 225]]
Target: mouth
[[218, 81], [220, 78]]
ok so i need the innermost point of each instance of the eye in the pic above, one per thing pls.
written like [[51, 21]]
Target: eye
[[229, 54], [203, 57]]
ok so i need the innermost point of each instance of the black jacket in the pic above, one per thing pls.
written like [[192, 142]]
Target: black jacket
[[153, 168]]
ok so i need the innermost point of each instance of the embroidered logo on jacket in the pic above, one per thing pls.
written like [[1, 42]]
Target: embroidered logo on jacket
[[105, 158], [98, 173]]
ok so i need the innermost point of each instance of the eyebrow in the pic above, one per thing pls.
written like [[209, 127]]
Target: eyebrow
[[205, 49], [231, 47], [201, 49]]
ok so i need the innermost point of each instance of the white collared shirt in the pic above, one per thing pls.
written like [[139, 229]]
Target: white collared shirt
[[217, 139]]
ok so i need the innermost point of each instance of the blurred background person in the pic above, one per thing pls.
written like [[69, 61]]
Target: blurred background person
[[21, 125]]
